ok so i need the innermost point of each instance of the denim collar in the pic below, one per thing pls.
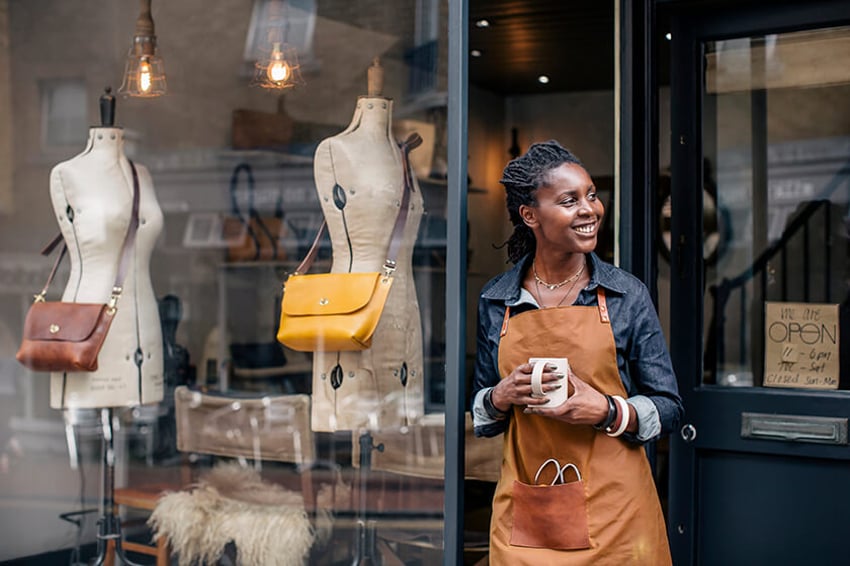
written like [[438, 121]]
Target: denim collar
[[508, 285]]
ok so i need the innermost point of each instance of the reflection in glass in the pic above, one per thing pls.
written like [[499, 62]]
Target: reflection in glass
[[234, 174], [776, 133]]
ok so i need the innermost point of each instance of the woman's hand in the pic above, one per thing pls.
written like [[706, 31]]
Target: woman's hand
[[515, 389], [585, 405]]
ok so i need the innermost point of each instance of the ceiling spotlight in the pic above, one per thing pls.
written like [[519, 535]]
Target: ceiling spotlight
[[475, 53], [482, 23], [668, 36], [543, 79]]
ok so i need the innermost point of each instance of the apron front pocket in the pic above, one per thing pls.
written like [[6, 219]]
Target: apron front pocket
[[550, 516]]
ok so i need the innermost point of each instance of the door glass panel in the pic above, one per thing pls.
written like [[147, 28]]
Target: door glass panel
[[776, 144]]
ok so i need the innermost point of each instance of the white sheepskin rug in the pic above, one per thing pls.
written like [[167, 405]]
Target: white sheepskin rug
[[267, 523]]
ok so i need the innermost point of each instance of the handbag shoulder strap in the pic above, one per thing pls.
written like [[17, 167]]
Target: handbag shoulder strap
[[126, 248], [413, 141]]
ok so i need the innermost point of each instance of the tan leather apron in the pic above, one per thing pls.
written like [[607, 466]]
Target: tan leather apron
[[623, 515]]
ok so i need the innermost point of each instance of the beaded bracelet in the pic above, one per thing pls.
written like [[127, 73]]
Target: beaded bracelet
[[618, 418], [619, 427], [612, 414]]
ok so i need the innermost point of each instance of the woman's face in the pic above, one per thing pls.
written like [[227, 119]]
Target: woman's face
[[568, 214]]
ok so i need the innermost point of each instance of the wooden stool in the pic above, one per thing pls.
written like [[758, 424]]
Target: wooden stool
[[145, 498]]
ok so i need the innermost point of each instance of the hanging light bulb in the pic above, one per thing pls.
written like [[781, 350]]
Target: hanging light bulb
[[144, 72], [277, 66], [277, 69], [145, 81]]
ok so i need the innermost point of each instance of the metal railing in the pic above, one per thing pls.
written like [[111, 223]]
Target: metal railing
[[803, 224]]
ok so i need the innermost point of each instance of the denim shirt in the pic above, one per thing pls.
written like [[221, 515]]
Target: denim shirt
[[642, 356]]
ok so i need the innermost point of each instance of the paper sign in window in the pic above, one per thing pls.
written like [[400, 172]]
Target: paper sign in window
[[801, 345]]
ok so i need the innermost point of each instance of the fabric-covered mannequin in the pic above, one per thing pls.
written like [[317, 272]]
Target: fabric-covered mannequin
[[92, 196], [365, 163]]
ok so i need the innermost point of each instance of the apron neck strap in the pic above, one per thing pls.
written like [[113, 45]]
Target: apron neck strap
[[603, 306], [603, 311], [505, 322]]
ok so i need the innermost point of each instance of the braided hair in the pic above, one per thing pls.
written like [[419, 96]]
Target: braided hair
[[522, 177]]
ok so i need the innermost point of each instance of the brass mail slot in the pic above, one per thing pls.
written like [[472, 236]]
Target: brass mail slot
[[794, 428]]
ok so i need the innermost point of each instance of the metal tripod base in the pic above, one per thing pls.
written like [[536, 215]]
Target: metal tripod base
[[365, 548], [109, 530], [109, 524]]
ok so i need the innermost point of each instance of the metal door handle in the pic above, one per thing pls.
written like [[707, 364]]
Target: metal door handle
[[689, 433]]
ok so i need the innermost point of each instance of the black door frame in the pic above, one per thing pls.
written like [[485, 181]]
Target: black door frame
[[638, 143]]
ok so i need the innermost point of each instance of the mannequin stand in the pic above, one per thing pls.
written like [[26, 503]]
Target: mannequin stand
[[365, 548], [109, 524]]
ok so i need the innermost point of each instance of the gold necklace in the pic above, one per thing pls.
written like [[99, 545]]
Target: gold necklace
[[553, 286], [567, 294]]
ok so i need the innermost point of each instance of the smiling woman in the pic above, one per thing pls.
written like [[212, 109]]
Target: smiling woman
[[565, 219], [619, 379]]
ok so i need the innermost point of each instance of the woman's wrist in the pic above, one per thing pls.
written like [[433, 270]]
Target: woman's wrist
[[490, 406], [610, 415]]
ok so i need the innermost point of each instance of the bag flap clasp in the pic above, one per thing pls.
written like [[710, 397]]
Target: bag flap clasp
[[66, 322], [328, 293]]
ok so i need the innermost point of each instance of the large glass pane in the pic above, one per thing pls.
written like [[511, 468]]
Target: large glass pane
[[776, 138], [236, 176]]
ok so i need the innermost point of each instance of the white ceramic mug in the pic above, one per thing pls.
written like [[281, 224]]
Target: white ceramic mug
[[556, 397]]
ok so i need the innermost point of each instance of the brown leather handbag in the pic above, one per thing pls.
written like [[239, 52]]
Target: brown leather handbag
[[65, 336]]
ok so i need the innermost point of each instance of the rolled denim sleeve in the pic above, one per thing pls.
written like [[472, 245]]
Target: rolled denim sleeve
[[649, 424]]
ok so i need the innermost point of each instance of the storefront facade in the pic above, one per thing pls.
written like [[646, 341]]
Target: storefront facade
[[279, 115]]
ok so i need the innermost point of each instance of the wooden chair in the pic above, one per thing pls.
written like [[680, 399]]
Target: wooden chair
[[143, 498]]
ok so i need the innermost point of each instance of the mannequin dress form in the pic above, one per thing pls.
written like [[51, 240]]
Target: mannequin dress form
[[92, 196], [382, 386]]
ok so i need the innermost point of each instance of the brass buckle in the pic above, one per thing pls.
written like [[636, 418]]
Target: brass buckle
[[112, 305]]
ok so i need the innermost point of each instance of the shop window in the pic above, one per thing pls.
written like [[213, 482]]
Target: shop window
[[63, 111], [234, 185]]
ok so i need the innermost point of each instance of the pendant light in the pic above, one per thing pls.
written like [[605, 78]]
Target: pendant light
[[277, 67], [144, 72]]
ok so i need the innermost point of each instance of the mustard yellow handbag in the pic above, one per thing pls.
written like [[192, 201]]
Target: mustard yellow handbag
[[332, 311], [339, 311]]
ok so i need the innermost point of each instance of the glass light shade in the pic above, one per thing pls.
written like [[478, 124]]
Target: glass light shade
[[278, 69], [144, 72]]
